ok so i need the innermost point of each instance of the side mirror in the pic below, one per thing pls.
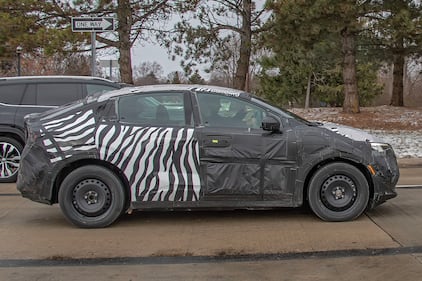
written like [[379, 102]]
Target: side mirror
[[270, 124]]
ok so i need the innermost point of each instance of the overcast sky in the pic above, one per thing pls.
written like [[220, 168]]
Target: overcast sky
[[153, 52], [147, 53]]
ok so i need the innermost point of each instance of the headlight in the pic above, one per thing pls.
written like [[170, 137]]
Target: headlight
[[380, 147]]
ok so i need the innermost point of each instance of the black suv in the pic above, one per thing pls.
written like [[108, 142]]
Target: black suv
[[20, 96]]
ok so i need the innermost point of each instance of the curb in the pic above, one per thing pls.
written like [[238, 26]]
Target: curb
[[409, 162]]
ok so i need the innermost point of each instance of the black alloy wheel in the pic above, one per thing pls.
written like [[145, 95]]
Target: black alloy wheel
[[10, 157]]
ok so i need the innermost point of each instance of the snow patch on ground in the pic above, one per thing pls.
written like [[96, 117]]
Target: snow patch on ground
[[399, 126]]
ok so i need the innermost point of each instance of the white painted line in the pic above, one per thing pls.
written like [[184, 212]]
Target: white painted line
[[409, 186]]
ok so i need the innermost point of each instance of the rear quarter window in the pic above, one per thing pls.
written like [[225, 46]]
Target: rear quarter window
[[11, 94], [167, 109]]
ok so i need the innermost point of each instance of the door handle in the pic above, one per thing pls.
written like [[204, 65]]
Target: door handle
[[217, 141]]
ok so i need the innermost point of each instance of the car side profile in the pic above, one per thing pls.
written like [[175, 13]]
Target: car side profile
[[22, 95], [190, 147]]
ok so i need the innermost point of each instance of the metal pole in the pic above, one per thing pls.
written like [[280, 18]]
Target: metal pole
[[111, 70], [18, 53], [19, 64], [93, 54]]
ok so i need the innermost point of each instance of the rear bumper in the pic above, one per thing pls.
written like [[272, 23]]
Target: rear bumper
[[34, 174]]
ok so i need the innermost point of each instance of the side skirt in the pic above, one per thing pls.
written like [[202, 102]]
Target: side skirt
[[227, 204]]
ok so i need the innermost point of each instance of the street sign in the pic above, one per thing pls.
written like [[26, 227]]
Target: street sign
[[109, 63], [86, 24]]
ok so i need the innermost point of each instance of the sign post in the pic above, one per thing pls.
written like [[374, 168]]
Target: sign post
[[109, 64], [93, 25]]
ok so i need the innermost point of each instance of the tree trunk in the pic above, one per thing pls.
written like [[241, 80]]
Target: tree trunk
[[398, 73], [245, 47], [308, 91], [351, 97], [124, 16]]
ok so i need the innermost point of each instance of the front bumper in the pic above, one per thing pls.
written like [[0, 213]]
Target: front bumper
[[385, 178]]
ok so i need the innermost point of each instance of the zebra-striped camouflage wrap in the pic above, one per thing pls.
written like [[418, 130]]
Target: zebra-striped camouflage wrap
[[62, 134], [161, 164]]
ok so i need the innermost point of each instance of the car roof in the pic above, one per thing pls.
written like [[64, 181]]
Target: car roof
[[56, 77], [176, 87]]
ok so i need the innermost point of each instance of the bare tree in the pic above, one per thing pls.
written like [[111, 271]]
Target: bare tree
[[148, 73], [138, 21], [204, 35]]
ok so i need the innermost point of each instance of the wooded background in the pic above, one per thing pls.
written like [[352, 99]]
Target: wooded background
[[291, 52]]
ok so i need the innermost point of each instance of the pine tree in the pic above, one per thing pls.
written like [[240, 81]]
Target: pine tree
[[325, 32], [397, 36]]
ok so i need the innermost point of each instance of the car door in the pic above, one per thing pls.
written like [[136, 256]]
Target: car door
[[239, 160], [153, 144]]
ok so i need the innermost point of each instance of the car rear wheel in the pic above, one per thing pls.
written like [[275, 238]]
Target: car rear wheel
[[10, 157], [92, 197], [338, 192]]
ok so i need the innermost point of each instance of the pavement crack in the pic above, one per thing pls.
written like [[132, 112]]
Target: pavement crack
[[385, 231]]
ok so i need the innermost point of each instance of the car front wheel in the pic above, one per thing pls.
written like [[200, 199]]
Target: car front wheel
[[338, 192], [10, 157], [92, 197]]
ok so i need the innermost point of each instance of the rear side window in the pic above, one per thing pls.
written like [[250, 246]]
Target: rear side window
[[95, 88], [153, 109], [11, 94], [58, 93]]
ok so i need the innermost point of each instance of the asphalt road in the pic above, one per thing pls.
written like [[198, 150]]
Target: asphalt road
[[37, 243]]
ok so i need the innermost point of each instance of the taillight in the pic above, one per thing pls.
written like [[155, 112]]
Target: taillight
[[32, 136]]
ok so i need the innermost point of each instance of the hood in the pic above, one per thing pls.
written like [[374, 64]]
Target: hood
[[350, 132]]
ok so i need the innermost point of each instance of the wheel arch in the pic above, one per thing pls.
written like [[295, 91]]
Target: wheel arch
[[361, 167], [13, 133], [84, 162]]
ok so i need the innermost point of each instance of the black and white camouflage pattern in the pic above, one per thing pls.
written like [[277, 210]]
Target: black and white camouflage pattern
[[160, 164], [62, 134]]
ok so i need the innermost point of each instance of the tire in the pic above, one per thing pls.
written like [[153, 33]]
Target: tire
[[92, 197], [338, 192], [10, 156]]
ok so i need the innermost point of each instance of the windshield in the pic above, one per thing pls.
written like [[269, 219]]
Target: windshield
[[284, 113]]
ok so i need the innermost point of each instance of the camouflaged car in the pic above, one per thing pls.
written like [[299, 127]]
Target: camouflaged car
[[194, 147]]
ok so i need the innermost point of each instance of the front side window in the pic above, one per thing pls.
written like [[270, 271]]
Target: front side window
[[225, 111], [166, 109]]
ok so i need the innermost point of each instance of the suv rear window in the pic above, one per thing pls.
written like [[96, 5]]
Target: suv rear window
[[52, 94], [11, 94], [58, 94]]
